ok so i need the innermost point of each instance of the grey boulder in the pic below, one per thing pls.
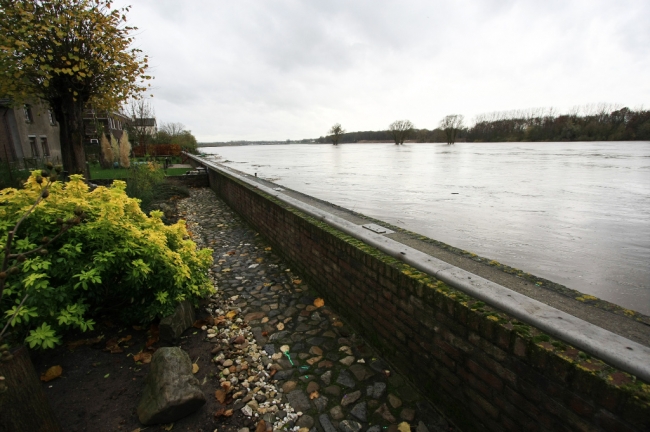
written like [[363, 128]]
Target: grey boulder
[[171, 392], [172, 326]]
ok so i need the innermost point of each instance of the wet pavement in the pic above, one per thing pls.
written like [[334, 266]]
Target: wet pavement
[[283, 358]]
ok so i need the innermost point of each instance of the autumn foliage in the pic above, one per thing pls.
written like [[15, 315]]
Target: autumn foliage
[[115, 260], [69, 53]]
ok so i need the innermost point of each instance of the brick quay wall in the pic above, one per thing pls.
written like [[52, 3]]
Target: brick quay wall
[[484, 369]]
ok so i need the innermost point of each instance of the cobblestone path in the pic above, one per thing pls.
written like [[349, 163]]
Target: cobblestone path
[[280, 355]]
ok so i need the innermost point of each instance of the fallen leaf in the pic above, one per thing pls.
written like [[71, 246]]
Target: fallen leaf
[[107, 375], [313, 395], [228, 413], [143, 357], [230, 315], [319, 302], [195, 368], [169, 427], [124, 339], [273, 371], [199, 323], [76, 344], [338, 324], [112, 345], [52, 373], [265, 334], [297, 281], [261, 426], [260, 260], [267, 248], [404, 427], [95, 340], [220, 394]]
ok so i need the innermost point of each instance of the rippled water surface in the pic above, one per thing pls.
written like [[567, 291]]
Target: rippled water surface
[[575, 213]]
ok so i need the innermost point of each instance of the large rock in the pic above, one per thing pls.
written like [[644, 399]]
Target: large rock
[[171, 392], [172, 326]]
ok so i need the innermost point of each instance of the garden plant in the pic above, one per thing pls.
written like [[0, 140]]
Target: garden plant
[[113, 258]]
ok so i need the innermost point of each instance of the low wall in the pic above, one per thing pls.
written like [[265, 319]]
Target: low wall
[[483, 368]]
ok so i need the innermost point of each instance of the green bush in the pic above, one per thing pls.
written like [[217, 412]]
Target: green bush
[[116, 259], [143, 178]]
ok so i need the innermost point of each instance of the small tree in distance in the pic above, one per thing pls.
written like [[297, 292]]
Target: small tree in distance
[[335, 133], [451, 124], [400, 130]]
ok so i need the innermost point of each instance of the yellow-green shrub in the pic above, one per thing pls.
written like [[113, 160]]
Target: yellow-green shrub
[[117, 259]]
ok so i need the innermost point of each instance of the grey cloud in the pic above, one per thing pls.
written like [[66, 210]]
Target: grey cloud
[[289, 69]]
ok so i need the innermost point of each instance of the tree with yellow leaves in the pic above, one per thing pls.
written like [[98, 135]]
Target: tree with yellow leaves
[[69, 53]]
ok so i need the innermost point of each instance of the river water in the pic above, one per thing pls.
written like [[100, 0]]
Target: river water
[[574, 213]]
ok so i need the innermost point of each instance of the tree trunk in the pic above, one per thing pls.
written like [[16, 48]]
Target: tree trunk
[[24, 407], [70, 116]]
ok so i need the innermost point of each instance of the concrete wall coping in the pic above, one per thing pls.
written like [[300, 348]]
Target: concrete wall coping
[[616, 350]]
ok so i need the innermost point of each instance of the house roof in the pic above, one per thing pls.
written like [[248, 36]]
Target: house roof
[[144, 122]]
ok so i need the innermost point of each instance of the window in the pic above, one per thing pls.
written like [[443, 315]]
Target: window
[[44, 147], [29, 118], [50, 114], [32, 145]]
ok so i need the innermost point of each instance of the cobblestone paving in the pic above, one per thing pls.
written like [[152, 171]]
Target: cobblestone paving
[[281, 355]]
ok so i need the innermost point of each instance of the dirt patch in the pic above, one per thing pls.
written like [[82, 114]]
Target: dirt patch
[[99, 390]]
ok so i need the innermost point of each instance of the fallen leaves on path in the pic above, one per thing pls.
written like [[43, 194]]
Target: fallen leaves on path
[[319, 302], [76, 344], [143, 357], [52, 373], [195, 368]]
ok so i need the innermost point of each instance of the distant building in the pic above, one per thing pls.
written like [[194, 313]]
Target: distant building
[[147, 125], [113, 123], [29, 135]]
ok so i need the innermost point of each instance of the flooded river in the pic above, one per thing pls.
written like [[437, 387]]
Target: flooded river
[[574, 213]]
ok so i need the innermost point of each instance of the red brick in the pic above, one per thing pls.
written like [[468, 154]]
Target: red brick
[[474, 382], [610, 423], [484, 375], [486, 406]]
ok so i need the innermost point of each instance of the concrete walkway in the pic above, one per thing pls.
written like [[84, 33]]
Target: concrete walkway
[[318, 374]]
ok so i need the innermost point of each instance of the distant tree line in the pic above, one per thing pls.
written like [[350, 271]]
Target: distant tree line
[[600, 122], [418, 135]]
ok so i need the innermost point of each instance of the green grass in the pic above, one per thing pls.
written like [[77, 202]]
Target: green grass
[[123, 173]]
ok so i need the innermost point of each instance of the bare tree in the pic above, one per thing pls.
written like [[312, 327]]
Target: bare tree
[[400, 130], [173, 129], [143, 121], [335, 133], [451, 124]]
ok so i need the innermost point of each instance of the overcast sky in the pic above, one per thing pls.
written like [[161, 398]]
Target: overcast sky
[[289, 69]]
